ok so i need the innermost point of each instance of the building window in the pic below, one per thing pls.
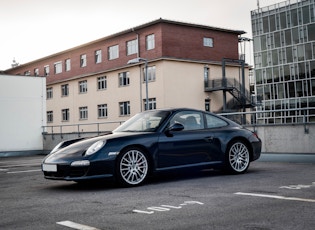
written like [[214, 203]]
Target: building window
[[50, 117], [152, 104], [132, 47], [68, 64], [64, 90], [65, 114], [150, 42], [102, 83], [124, 79], [83, 86], [208, 42], [49, 93], [36, 72], [151, 74], [124, 108], [83, 60], [83, 113], [46, 70], [102, 111], [27, 73], [113, 52], [58, 67], [98, 56]]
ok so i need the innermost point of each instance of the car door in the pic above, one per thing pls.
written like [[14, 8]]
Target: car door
[[192, 145]]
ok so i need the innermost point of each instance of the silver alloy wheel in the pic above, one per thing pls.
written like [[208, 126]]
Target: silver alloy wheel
[[133, 167], [239, 157]]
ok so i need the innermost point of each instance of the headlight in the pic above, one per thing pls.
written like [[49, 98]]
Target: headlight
[[95, 147]]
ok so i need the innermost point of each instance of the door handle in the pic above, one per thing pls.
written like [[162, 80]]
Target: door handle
[[209, 139]]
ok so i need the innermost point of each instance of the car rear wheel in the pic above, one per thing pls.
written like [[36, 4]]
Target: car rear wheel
[[133, 167], [238, 157]]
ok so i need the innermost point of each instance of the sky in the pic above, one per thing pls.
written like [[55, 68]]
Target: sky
[[32, 29]]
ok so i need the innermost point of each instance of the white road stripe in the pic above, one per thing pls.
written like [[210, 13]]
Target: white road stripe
[[74, 225], [275, 197], [20, 165], [25, 171]]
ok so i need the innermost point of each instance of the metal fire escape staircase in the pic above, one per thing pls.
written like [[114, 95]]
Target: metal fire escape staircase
[[237, 89], [232, 86]]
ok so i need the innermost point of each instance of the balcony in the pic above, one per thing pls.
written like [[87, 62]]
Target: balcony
[[241, 95]]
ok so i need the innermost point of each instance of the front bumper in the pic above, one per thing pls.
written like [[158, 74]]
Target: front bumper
[[96, 170]]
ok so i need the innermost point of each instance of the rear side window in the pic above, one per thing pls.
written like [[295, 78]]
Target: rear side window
[[215, 122]]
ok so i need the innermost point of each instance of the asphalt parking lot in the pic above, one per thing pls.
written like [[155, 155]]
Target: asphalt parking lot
[[278, 192]]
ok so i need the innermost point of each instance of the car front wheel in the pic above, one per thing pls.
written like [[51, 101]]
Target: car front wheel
[[133, 167], [238, 157]]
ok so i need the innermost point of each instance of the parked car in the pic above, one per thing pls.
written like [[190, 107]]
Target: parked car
[[154, 141]]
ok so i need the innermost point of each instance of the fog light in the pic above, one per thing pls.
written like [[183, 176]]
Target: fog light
[[80, 163]]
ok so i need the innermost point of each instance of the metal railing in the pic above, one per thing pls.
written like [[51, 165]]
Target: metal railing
[[232, 85], [248, 119], [80, 128]]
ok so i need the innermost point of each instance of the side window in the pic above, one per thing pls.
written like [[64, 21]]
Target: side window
[[214, 122], [191, 120]]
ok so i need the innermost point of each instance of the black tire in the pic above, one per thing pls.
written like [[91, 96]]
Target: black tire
[[132, 167], [237, 157]]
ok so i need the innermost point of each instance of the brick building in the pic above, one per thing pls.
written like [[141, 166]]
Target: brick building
[[93, 83]]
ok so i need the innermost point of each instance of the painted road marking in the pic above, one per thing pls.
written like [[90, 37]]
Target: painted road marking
[[25, 171], [165, 208], [299, 186], [74, 225], [275, 197]]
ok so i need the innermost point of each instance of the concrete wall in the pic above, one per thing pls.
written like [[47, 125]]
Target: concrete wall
[[23, 113], [288, 139], [275, 139]]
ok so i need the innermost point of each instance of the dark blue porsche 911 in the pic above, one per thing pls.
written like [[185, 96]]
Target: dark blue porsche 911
[[153, 141]]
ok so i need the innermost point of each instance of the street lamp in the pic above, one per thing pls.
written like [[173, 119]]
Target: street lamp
[[135, 61]]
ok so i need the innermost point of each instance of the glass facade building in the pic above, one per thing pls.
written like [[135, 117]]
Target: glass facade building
[[284, 56]]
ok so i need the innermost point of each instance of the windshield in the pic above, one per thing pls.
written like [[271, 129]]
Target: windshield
[[144, 122]]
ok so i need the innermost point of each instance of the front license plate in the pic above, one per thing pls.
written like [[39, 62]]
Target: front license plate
[[49, 168]]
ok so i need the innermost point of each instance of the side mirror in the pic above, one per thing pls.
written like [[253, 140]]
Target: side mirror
[[176, 127]]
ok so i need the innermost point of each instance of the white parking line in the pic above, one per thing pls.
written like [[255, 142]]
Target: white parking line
[[74, 225], [25, 171], [275, 197]]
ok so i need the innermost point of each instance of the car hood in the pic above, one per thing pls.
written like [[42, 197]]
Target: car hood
[[77, 150]]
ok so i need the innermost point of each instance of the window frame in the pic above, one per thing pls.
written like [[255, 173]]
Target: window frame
[[83, 113], [123, 79], [67, 64], [65, 90], [113, 52], [124, 108], [102, 83], [151, 74], [102, 111], [220, 124], [208, 42], [152, 104], [36, 72], [150, 42], [50, 116], [49, 93], [58, 67], [46, 70], [98, 56], [83, 86], [83, 60], [132, 47], [65, 115]]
